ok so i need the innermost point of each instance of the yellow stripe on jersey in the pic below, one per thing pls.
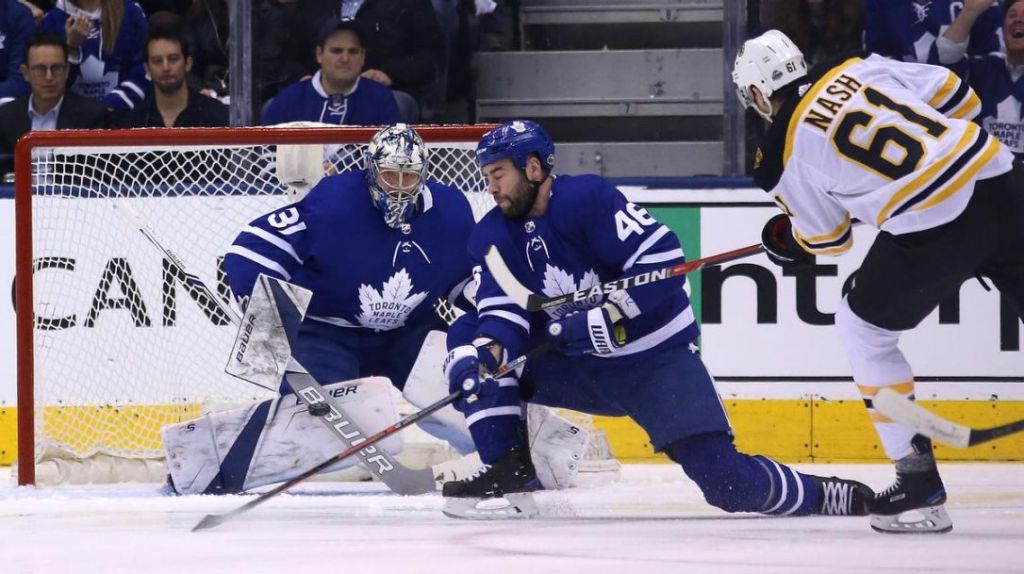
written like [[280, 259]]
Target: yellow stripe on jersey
[[966, 175], [970, 134], [904, 388], [968, 109], [940, 97], [806, 101], [811, 244]]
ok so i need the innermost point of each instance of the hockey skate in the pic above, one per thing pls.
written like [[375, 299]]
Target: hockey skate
[[914, 503], [843, 497], [498, 491]]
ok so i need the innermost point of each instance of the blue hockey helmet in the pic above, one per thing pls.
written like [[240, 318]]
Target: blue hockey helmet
[[516, 140]]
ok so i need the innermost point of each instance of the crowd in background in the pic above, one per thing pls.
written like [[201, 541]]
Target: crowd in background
[[166, 62]]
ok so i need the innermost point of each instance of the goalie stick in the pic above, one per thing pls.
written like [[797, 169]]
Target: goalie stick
[[385, 467], [533, 302], [213, 520], [905, 411]]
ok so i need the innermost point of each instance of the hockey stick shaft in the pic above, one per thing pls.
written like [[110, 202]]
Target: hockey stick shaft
[[531, 301], [906, 412], [399, 478], [213, 520]]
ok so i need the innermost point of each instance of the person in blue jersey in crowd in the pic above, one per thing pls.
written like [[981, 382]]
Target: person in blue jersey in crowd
[[336, 94], [995, 77], [907, 30], [633, 354], [106, 40], [16, 29]]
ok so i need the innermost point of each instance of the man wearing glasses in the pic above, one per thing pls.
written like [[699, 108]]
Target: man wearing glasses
[[48, 107]]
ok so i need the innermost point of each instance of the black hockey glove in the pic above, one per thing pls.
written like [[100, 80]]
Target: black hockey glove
[[780, 245]]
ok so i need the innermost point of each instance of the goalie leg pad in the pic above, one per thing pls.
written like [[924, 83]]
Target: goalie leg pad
[[557, 447], [426, 385], [236, 450]]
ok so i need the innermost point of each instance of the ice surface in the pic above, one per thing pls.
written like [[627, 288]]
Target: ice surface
[[654, 520]]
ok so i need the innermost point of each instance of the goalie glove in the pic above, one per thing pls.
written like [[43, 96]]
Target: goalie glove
[[593, 331], [780, 245], [468, 369]]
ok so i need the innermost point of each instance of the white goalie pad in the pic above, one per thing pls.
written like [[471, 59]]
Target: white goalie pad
[[301, 166], [557, 447], [426, 385], [272, 441]]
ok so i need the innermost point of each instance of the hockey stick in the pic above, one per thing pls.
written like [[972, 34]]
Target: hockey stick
[[533, 302], [385, 467], [213, 520], [905, 411]]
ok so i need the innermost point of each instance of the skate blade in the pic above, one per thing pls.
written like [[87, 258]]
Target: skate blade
[[510, 507], [929, 520]]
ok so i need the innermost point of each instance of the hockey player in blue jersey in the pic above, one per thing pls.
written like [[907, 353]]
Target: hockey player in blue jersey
[[633, 354]]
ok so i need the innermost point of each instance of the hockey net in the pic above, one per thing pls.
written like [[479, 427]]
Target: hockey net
[[118, 345]]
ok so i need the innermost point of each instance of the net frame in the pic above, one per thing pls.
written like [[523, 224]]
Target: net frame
[[26, 181]]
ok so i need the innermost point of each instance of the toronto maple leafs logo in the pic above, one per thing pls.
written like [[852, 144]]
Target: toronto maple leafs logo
[[921, 11], [558, 282], [390, 307]]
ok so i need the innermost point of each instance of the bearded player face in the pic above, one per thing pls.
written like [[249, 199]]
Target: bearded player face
[[510, 188]]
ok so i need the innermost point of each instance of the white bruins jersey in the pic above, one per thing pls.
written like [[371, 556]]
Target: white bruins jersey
[[889, 143]]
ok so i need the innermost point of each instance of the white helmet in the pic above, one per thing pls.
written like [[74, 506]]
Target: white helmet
[[769, 62], [396, 168]]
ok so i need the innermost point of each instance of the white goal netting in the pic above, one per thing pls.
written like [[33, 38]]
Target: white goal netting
[[121, 344]]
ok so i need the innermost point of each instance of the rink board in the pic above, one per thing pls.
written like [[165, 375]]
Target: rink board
[[767, 338]]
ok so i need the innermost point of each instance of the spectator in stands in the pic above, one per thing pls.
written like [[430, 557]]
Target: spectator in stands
[[820, 28], [105, 40], [48, 106], [907, 29], [404, 49], [207, 26], [996, 77], [38, 8], [336, 94], [171, 102], [16, 28]]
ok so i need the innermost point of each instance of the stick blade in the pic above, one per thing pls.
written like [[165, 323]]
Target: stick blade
[[904, 411], [209, 521]]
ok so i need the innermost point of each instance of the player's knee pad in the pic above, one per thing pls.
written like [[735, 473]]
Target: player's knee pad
[[557, 447], [272, 441], [874, 354], [426, 385]]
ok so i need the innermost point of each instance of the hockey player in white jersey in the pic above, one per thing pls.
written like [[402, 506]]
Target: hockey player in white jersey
[[633, 354], [891, 144]]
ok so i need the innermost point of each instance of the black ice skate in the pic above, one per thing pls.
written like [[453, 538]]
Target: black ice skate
[[501, 490], [843, 497], [914, 503]]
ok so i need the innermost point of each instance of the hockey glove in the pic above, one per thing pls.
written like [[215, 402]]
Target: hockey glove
[[587, 332], [780, 245], [468, 370]]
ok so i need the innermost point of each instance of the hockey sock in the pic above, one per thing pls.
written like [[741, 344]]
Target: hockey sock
[[496, 430], [737, 482]]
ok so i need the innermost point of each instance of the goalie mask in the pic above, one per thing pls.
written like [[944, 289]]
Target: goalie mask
[[396, 167], [769, 62]]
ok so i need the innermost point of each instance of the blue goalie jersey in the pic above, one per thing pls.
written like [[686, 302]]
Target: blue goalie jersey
[[363, 274], [590, 234]]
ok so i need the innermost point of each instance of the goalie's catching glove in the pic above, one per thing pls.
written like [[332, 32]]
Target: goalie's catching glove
[[468, 369], [593, 331], [780, 245]]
